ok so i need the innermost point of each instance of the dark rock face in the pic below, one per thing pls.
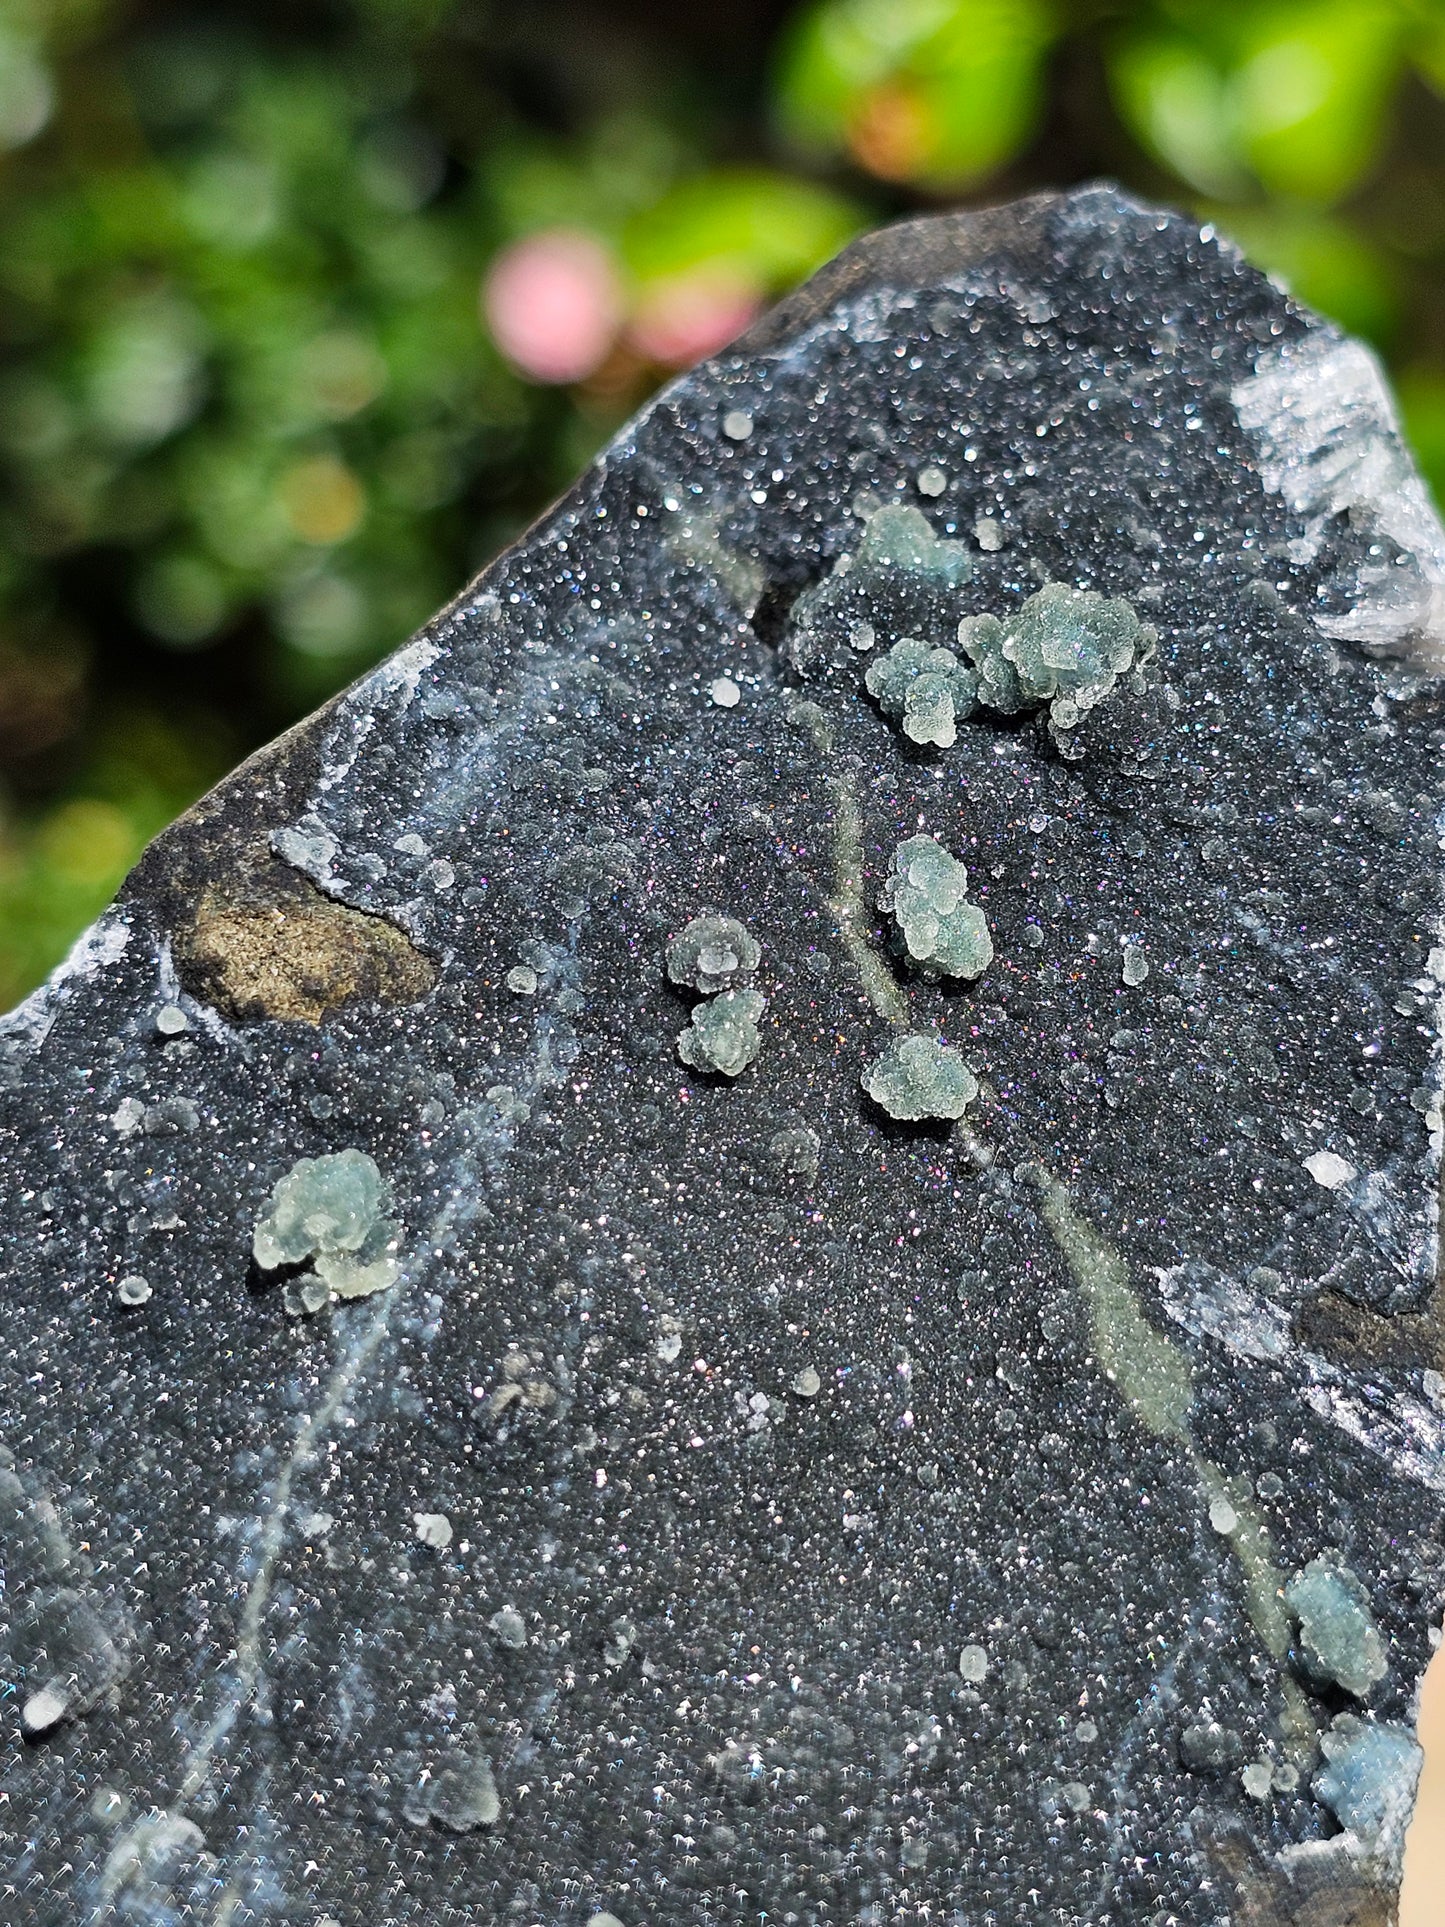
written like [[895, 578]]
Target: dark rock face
[[742, 1503]]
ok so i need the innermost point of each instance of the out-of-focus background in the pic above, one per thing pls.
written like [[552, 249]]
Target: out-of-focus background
[[307, 306]]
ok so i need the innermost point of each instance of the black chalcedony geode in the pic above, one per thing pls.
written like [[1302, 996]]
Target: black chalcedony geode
[[744, 1505]]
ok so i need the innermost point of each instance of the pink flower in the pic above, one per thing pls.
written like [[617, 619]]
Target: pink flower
[[680, 320], [553, 305]]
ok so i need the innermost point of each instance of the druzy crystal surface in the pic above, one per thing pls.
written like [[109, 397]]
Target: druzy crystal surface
[[774, 1496]]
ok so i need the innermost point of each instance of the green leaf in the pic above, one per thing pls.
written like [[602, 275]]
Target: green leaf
[[27, 88], [1421, 394], [1294, 96], [1178, 102], [768, 228], [627, 164], [1312, 90], [939, 92]]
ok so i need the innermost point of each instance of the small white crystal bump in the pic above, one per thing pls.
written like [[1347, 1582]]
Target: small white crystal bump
[[433, 1529]]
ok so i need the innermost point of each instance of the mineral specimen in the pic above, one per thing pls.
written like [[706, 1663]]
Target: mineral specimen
[[712, 953], [925, 690], [902, 580], [1340, 1641], [330, 1210], [723, 1035], [1368, 1782], [969, 1497], [1064, 647], [919, 1077], [926, 895]]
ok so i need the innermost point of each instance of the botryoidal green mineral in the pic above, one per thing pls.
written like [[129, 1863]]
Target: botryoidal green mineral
[[926, 895], [927, 691], [331, 1211], [1063, 647], [723, 1035], [712, 953], [1338, 1639], [902, 580], [1368, 1780], [897, 537], [919, 1077]]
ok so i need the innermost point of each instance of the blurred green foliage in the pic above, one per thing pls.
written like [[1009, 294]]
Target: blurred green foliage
[[256, 420], [919, 91]]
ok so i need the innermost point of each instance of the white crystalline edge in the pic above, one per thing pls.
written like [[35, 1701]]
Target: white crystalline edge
[[94, 950], [1408, 1435], [1209, 1303], [1321, 416], [392, 684], [28, 1025], [1411, 1440], [98, 947], [403, 671]]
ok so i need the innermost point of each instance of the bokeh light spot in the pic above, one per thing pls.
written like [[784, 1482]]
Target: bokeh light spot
[[27, 94], [88, 841], [323, 500], [892, 133], [685, 317], [323, 615], [340, 373], [181, 599], [553, 304]]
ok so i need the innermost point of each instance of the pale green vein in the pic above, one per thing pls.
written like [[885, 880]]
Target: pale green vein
[[851, 911], [1154, 1378]]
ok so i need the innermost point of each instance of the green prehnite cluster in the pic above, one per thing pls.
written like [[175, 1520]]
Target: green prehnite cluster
[[1338, 1637], [723, 1035], [902, 580], [712, 953], [1064, 647], [329, 1211], [1368, 1780], [716, 955], [926, 895], [927, 691], [919, 1077], [900, 537]]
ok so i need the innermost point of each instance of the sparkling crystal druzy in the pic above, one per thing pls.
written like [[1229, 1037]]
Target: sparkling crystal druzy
[[878, 1485]]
